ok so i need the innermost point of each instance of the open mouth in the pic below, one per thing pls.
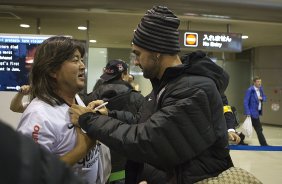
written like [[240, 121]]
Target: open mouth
[[81, 76]]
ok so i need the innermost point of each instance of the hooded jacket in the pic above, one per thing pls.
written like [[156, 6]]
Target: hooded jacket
[[181, 129]]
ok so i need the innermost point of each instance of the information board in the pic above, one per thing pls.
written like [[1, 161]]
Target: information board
[[16, 58]]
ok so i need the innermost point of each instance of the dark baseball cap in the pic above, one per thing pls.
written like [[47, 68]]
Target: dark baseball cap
[[113, 69]]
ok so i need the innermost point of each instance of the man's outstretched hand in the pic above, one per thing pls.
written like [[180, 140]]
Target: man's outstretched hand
[[96, 104]]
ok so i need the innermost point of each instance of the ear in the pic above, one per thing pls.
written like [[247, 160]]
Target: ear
[[158, 55]]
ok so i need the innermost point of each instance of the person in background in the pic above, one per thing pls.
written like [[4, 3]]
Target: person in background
[[253, 103], [57, 75], [121, 96], [17, 104], [114, 89], [97, 84], [193, 57], [182, 130], [28, 163]]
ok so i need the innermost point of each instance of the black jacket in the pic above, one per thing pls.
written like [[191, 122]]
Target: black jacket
[[182, 131], [121, 97], [119, 94], [24, 162], [229, 116], [211, 71]]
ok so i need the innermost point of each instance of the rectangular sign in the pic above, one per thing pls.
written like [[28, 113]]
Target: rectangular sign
[[16, 59], [211, 41]]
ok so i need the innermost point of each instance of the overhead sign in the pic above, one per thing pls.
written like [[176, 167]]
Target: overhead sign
[[211, 41]]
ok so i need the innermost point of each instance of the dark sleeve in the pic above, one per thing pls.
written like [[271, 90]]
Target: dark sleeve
[[139, 100], [125, 116], [176, 133], [228, 114], [10, 162], [46, 165], [130, 117], [230, 120], [224, 99], [28, 163], [152, 175]]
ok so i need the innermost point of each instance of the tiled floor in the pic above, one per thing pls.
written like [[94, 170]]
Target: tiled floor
[[265, 165]]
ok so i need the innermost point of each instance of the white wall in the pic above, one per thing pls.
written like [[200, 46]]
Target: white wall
[[6, 114], [267, 64], [145, 84], [97, 60]]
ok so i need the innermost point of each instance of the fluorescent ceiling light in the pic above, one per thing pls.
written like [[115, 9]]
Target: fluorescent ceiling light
[[24, 25], [92, 41], [215, 16], [191, 14], [82, 28], [245, 37]]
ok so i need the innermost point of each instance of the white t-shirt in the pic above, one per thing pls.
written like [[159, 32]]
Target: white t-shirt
[[49, 127]]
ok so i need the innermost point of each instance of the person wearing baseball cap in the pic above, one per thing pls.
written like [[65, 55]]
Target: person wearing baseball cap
[[120, 96], [114, 70]]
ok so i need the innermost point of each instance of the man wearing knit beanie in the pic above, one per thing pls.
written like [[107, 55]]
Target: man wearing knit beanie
[[180, 129], [158, 31]]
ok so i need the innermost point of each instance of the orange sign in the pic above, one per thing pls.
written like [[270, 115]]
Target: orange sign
[[191, 39]]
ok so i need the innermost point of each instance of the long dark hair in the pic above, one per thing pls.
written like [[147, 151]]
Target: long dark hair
[[48, 59]]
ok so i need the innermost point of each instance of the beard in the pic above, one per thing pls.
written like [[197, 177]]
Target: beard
[[151, 69], [147, 74]]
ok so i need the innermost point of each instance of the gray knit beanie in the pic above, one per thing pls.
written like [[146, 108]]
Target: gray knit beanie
[[158, 31]]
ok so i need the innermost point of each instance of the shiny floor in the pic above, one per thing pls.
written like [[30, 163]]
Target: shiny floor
[[265, 165]]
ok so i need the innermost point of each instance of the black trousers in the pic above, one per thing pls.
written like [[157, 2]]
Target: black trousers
[[258, 128]]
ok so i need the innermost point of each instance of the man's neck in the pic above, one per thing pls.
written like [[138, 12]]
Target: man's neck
[[168, 61], [256, 87]]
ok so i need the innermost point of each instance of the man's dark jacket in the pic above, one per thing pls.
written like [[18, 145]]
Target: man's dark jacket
[[181, 131]]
